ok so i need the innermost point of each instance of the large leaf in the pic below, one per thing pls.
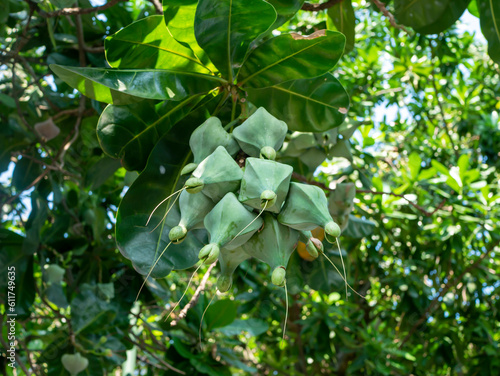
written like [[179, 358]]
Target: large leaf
[[225, 29], [221, 313], [285, 10], [148, 44], [179, 20], [126, 86], [429, 16], [358, 227], [307, 105], [159, 179], [490, 26], [130, 132], [341, 17], [290, 57]]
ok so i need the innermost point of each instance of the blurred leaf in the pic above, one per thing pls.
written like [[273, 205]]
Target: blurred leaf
[[341, 17], [220, 314], [489, 11]]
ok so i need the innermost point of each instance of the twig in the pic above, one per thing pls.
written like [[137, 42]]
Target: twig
[[416, 206], [317, 7], [72, 11], [158, 6], [444, 291], [390, 16], [195, 297]]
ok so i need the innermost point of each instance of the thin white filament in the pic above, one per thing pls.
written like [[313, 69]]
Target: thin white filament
[[185, 291], [239, 233], [157, 206], [343, 266], [168, 211], [338, 271], [150, 270], [202, 316], [282, 345]]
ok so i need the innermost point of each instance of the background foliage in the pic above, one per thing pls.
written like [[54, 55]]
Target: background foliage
[[420, 142]]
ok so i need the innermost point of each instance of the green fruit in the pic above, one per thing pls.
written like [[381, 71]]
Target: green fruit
[[229, 259], [209, 253], [177, 234], [332, 231], [219, 174], [274, 244], [227, 219], [54, 274], [193, 210], [306, 208], [341, 203], [190, 167], [314, 247], [268, 152], [194, 185], [261, 180], [208, 137], [279, 275], [74, 363], [260, 130]]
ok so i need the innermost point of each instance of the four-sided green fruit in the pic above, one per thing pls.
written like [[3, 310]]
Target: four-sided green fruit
[[251, 211]]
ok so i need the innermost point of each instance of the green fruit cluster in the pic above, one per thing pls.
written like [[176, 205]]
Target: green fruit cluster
[[250, 211]]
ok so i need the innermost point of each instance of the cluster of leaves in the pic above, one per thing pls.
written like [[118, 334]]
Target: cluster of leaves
[[426, 260]]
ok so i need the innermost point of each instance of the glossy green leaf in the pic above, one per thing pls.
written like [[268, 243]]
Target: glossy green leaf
[[221, 313], [307, 105], [130, 132], [429, 17], [225, 29], [179, 20], [159, 179], [341, 17], [290, 57], [285, 9], [147, 44], [489, 11], [126, 86]]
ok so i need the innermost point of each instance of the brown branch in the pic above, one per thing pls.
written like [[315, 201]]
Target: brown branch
[[416, 206], [158, 6], [451, 284], [317, 7], [195, 297], [381, 6], [72, 11], [144, 348]]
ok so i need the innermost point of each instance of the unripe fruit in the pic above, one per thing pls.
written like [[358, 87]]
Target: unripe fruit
[[278, 276], [74, 363], [267, 199], [194, 185], [209, 253], [314, 247], [332, 231], [190, 167], [224, 283], [177, 234], [267, 152]]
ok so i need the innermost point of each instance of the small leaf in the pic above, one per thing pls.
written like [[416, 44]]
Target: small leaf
[[415, 164]]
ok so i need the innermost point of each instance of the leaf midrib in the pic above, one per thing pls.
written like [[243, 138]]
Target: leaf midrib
[[286, 58], [196, 61], [497, 30], [305, 97]]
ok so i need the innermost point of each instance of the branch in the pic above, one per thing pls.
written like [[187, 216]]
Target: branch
[[383, 9], [416, 206], [195, 297], [158, 6], [141, 346], [317, 7], [445, 289], [70, 11]]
